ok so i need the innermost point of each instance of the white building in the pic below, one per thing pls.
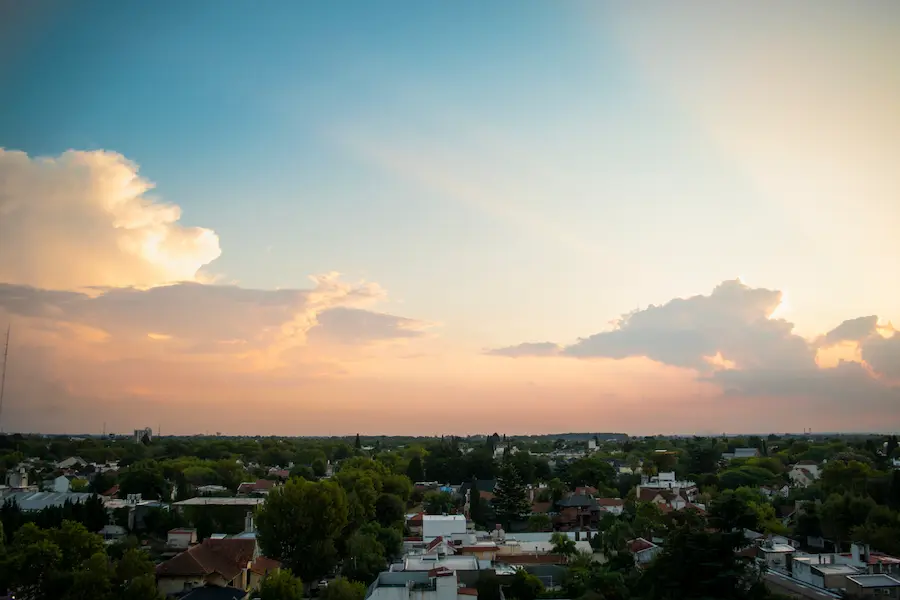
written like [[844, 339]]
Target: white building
[[436, 584], [804, 473], [442, 525]]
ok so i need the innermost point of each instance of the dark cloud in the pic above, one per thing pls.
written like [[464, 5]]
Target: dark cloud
[[527, 349], [852, 330], [354, 326], [883, 354]]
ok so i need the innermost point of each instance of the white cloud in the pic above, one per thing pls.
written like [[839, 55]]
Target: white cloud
[[86, 219]]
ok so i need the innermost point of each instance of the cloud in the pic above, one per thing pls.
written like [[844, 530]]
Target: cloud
[[527, 349], [730, 338], [733, 321], [86, 219], [852, 330], [354, 326], [883, 355]]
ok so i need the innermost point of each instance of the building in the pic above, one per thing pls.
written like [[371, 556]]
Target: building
[[260, 487], [143, 436], [436, 584], [643, 550], [613, 506], [17, 478], [577, 511], [60, 485], [804, 473], [442, 525], [741, 453], [73, 462], [872, 586], [181, 539], [223, 563], [34, 501]]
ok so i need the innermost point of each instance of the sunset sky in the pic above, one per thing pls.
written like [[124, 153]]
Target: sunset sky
[[298, 218]]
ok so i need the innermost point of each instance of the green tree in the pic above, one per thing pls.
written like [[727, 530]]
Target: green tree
[[357, 444], [281, 585], [540, 522], [91, 581], [438, 503], [142, 587], [562, 544], [697, 564], [414, 470], [145, 478], [133, 564], [365, 558], [300, 523], [389, 510], [510, 498], [524, 586], [729, 511], [343, 589], [319, 467]]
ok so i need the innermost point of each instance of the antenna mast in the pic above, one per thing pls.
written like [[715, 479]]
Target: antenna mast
[[3, 375]]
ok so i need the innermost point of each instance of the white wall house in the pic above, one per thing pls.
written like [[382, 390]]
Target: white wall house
[[804, 473], [439, 584], [442, 525]]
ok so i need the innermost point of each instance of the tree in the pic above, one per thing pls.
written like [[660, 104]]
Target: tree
[[303, 471], [133, 564], [319, 467], [438, 503], [142, 588], [364, 560], [389, 510], [524, 586], [414, 470], [144, 478], [357, 444], [300, 523], [697, 564], [343, 589], [540, 522], [562, 544], [281, 585], [510, 498], [729, 511]]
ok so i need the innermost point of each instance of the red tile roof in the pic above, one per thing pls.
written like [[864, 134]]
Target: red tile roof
[[417, 520], [434, 543], [440, 572], [610, 502], [111, 492], [227, 557], [467, 591], [260, 485], [264, 565], [639, 545], [586, 491], [541, 507]]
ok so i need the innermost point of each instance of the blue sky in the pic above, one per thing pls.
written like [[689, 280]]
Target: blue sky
[[590, 189]]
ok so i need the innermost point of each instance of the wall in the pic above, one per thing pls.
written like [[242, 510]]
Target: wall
[[175, 585], [444, 527]]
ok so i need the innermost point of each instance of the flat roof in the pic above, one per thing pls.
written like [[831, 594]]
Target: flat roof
[[874, 581], [836, 569], [213, 501], [443, 517]]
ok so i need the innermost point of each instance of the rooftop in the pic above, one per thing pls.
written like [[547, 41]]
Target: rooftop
[[40, 500], [874, 581], [427, 562], [212, 501]]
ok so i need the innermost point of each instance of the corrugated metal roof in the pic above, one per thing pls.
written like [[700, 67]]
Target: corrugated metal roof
[[41, 500]]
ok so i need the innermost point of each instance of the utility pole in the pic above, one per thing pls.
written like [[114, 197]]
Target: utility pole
[[3, 375]]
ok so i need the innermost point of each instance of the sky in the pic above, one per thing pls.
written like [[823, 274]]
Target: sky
[[450, 218]]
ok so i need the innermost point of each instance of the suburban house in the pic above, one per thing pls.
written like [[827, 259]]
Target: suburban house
[[414, 523], [872, 586], [60, 485], [577, 511], [442, 525], [804, 473], [181, 538], [667, 481], [643, 550], [259, 487], [439, 583], [224, 562], [613, 506], [73, 462]]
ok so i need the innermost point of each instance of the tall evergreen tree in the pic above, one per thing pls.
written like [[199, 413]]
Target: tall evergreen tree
[[510, 498], [357, 444], [414, 470]]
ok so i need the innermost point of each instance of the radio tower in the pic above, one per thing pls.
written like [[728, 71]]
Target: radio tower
[[3, 375]]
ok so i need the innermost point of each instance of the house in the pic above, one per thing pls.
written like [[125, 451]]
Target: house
[[17, 477], [804, 473], [667, 481], [59, 485], [112, 533], [613, 506], [72, 462], [872, 586], [643, 550], [34, 501], [111, 492], [466, 568], [772, 491], [439, 583], [181, 538], [442, 525], [224, 563], [259, 487], [577, 511], [414, 523]]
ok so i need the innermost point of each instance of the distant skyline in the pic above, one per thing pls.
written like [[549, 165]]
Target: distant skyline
[[317, 219]]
